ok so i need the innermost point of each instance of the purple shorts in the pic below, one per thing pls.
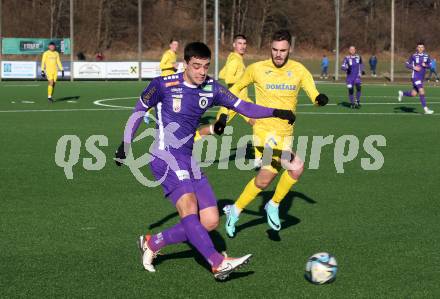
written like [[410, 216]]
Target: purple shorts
[[188, 178], [417, 84], [351, 82]]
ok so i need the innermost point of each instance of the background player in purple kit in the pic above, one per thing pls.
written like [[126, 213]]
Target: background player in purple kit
[[418, 63], [354, 68], [180, 100]]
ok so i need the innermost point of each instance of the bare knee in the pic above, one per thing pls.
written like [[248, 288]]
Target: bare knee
[[210, 224], [296, 169], [262, 182]]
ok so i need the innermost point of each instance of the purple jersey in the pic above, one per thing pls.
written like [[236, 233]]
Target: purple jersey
[[179, 107], [353, 66], [418, 59]]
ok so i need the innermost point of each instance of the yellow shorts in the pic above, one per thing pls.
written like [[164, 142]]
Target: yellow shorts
[[271, 148], [52, 76]]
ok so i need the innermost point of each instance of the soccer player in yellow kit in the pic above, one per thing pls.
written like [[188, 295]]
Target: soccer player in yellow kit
[[50, 64], [277, 82], [168, 63], [231, 72]]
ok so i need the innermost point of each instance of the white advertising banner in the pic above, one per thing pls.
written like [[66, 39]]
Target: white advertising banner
[[150, 69], [122, 70], [19, 69], [89, 70]]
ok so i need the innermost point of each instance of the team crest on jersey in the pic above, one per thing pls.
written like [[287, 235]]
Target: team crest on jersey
[[177, 104], [289, 74], [203, 102]]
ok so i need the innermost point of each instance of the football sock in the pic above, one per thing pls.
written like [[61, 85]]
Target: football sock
[[283, 187], [199, 238], [351, 98], [407, 93], [248, 195], [172, 235], [358, 96], [422, 100], [49, 91]]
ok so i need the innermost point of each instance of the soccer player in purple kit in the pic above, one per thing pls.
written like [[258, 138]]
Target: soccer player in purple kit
[[418, 63], [354, 68], [180, 100]]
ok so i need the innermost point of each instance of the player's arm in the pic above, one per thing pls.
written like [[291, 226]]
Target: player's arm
[[60, 65], [165, 62], [231, 72], [308, 85], [149, 98], [225, 98], [245, 80], [345, 66], [43, 65], [410, 63]]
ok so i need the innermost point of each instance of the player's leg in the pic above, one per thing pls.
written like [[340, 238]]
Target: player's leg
[[50, 87], [350, 94], [409, 93], [250, 192], [294, 167], [358, 94], [421, 91]]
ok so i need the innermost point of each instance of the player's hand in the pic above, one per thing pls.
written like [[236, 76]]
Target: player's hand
[[220, 124], [285, 114], [251, 122], [120, 154], [321, 99], [417, 68], [62, 74], [43, 74]]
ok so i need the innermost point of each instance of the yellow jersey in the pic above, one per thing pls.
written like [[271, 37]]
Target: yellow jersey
[[232, 71], [166, 63], [50, 61], [277, 88]]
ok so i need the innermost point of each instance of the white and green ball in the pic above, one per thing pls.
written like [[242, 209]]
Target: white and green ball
[[321, 268]]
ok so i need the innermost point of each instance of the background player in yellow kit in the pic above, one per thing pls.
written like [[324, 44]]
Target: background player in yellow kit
[[168, 63], [50, 64], [231, 72], [277, 82]]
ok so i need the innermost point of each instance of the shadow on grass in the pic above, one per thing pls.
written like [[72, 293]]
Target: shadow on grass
[[66, 98], [405, 109], [345, 104], [286, 219]]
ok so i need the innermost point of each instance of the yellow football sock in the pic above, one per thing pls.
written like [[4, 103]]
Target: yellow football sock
[[49, 91], [249, 193], [283, 187]]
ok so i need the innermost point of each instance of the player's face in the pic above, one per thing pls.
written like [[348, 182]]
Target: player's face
[[420, 48], [352, 50], [240, 46], [280, 52], [52, 47], [197, 70], [174, 46]]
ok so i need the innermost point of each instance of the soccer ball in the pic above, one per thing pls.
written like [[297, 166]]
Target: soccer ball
[[321, 268]]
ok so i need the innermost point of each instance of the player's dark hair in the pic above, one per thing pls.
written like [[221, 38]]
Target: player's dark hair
[[282, 34], [52, 44], [239, 36], [173, 40], [197, 50], [420, 43]]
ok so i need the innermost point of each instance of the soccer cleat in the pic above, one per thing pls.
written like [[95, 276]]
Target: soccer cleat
[[400, 96], [352, 106], [273, 218], [229, 265], [50, 100], [428, 111], [147, 254], [231, 220], [358, 105]]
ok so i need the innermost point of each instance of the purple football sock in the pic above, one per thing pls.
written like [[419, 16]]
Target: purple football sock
[[350, 96], [199, 238], [358, 96], [407, 93], [172, 235], [422, 100]]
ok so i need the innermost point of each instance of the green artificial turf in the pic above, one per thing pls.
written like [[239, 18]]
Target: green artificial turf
[[77, 238]]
